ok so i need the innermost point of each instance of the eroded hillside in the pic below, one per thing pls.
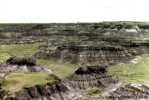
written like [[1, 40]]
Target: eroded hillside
[[74, 61]]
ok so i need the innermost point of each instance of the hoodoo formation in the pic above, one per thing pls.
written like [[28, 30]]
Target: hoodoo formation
[[74, 61]]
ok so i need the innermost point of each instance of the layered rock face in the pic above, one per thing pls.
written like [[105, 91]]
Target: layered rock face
[[50, 92], [5, 68], [130, 91], [94, 52], [21, 61], [95, 46], [46, 92], [70, 88], [75, 86], [83, 43], [91, 77], [20, 64]]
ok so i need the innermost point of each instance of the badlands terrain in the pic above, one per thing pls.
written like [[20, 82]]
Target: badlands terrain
[[74, 61]]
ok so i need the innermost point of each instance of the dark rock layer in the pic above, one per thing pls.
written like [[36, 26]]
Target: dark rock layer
[[131, 92], [91, 77], [21, 61]]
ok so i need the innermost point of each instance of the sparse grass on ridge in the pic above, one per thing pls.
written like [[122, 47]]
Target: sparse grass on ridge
[[16, 81], [133, 72], [59, 68], [7, 51]]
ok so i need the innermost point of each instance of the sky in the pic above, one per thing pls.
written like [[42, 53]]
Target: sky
[[68, 11]]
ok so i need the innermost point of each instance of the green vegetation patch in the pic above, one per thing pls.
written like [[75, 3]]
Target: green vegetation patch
[[7, 51], [16, 81], [94, 91], [133, 72], [10, 34], [59, 68]]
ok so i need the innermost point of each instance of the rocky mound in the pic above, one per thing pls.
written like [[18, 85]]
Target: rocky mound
[[71, 88], [48, 92], [90, 77], [28, 61], [92, 69], [6, 68], [25, 64], [56, 91]]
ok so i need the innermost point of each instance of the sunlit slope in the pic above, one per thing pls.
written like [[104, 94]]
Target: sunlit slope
[[137, 71]]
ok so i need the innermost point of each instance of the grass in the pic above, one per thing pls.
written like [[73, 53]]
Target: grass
[[7, 51], [60, 69], [16, 81], [94, 91], [133, 72]]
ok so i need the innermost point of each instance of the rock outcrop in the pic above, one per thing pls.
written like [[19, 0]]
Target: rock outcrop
[[130, 92], [6, 68], [21, 64], [95, 46], [91, 77], [92, 52], [57, 91], [73, 87], [21, 61]]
